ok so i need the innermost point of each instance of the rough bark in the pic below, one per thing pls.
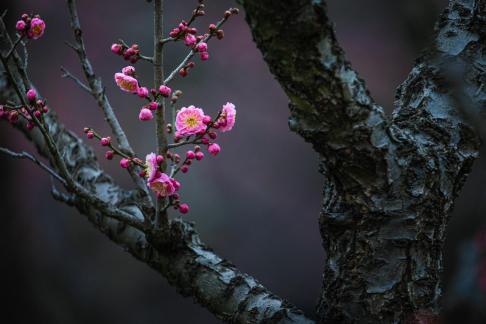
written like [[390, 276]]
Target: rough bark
[[390, 182]]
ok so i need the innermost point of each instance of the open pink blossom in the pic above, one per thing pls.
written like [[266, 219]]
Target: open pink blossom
[[37, 27], [227, 118], [126, 82], [189, 121], [162, 185], [152, 166]]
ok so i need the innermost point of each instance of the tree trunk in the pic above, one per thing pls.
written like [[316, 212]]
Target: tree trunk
[[390, 182]]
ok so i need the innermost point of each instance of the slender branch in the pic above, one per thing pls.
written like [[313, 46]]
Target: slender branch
[[67, 74], [14, 46], [25, 155], [161, 218], [97, 91], [192, 52]]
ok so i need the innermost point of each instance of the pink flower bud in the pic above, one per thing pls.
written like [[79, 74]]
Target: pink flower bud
[[30, 125], [117, 48], [204, 56], [37, 113], [109, 155], [212, 27], [128, 70], [177, 158], [199, 155], [204, 140], [184, 168], [90, 134], [105, 141], [153, 105], [145, 114], [190, 40], [174, 32], [190, 155], [13, 116], [20, 25], [202, 47], [183, 208], [212, 135], [142, 92], [159, 159], [165, 90], [125, 163], [206, 119], [31, 95], [183, 72], [214, 149]]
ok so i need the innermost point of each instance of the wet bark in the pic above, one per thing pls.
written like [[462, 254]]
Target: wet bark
[[390, 182]]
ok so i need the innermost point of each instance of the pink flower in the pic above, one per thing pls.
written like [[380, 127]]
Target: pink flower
[[125, 163], [126, 82], [199, 155], [20, 25], [189, 121], [31, 95], [190, 40], [142, 92], [227, 118], [162, 185], [37, 27], [152, 166], [204, 56], [128, 70], [145, 114], [116, 48], [165, 90], [202, 47], [214, 149]]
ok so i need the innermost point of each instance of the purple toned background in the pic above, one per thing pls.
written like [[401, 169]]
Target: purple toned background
[[256, 204]]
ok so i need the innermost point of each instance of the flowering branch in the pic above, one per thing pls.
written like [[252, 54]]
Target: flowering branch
[[98, 92]]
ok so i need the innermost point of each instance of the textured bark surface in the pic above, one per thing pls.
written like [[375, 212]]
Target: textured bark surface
[[390, 182]]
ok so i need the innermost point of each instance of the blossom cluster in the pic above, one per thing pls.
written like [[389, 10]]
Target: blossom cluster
[[33, 110], [31, 26], [190, 125]]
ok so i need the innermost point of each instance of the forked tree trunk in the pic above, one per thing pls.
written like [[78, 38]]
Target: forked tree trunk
[[390, 182]]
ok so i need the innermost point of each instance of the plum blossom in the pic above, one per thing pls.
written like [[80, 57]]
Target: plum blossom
[[145, 114], [128, 70], [190, 40], [162, 185], [37, 27], [126, 82], [227, 118], [189, 121], [152, 166], [214, 149]]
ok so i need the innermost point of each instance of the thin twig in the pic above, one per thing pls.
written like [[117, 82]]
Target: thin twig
[[25, 155], [192, 52], [67, 74], [97, 91], [14, 46]]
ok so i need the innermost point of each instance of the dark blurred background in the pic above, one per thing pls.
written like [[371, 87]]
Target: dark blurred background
[[256, 204]]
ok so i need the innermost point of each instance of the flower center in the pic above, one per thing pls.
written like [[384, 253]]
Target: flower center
[[127, 85], [191, 121]]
